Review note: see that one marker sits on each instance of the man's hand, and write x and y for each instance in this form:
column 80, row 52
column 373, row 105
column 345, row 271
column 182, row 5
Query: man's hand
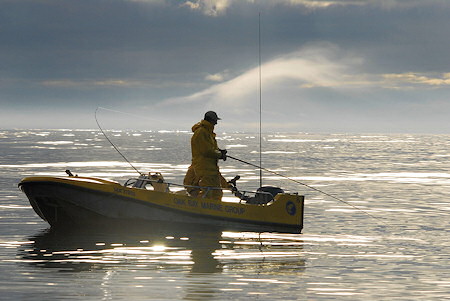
column 224, row 154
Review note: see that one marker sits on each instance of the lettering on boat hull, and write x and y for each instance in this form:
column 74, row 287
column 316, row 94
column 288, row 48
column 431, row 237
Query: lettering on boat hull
column 124, row 191
column 208, row 206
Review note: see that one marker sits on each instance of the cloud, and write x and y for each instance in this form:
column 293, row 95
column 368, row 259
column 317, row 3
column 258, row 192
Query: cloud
column 362, row 54
column 321, row 3
column 209, row 7
column 216, row 8
column 218, row 77
column 220, row 7
column 68, row 83
column 319, row 66
column 320, row 86
column 153, row 2
column 411, row 79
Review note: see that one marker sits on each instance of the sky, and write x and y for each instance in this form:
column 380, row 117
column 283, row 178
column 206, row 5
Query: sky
column 369, row 66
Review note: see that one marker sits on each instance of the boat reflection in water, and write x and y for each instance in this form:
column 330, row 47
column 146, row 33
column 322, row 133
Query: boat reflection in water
column 168, row 261
column 80, row 249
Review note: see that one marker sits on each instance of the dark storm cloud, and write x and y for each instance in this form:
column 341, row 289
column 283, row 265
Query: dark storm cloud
column 96, row 37
column 81, row 54
column 77, row 47
column 93, row 39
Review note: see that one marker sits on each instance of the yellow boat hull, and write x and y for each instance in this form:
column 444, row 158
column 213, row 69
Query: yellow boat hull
column 84, row 200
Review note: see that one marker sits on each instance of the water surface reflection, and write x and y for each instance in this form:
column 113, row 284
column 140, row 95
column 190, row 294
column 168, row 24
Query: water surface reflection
column 170, row 262
column 84, row 249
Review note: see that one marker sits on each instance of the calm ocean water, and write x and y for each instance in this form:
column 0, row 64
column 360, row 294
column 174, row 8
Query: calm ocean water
column 342, row 254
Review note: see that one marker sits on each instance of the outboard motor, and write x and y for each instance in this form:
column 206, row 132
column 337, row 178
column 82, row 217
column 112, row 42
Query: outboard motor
column 265, row 194
column 271, row 189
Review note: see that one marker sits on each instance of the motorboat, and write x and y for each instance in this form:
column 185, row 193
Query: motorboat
column 76, row 200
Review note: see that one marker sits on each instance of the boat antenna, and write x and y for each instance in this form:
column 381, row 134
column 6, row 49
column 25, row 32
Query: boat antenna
column 104, row 134
column 260, row 100
column 310, row 187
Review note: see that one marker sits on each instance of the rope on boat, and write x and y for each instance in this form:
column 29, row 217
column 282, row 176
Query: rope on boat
column 306, row 185
column 104, row 134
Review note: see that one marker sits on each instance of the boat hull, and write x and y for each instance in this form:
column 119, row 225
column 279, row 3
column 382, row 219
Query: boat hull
column 89, row 201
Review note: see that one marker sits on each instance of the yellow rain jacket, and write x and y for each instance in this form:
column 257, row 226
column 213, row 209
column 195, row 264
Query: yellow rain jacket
column 205, row 152
column 204, row 170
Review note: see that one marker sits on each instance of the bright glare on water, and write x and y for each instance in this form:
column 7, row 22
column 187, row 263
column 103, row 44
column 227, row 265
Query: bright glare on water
column 393, row 246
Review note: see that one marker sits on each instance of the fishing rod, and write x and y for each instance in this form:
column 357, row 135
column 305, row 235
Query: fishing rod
column 104, row 134
column 310, row 187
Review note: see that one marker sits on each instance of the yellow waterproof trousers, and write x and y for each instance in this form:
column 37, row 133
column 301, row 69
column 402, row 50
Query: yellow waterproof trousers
column 205, row 179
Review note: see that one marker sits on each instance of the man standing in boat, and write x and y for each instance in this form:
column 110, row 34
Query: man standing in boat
column 204, row 171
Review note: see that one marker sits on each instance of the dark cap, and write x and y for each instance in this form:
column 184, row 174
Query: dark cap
column 211, row 115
